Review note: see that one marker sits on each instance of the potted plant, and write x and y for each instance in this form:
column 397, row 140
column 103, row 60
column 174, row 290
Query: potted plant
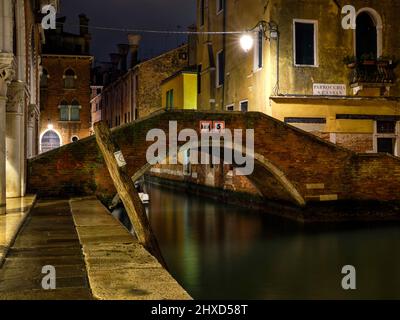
column 384, row 61
column 368, row 59
column 350, row 61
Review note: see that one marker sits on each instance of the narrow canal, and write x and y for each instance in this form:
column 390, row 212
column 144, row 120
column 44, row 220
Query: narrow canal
column 219, row 251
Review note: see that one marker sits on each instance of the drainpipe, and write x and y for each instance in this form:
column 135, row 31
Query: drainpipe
column 224, row 49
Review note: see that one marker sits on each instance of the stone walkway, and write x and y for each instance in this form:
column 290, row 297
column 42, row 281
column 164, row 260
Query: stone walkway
column 94, row 256
column 10, row 223
column 48, row 237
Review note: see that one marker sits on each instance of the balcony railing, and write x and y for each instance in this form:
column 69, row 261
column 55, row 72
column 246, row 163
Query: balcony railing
column 379, row 73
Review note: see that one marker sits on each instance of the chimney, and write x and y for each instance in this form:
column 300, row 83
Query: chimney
column 134, row 40
column 123, row 50
column 115, row 59
column 192, row 45
column 83, row 24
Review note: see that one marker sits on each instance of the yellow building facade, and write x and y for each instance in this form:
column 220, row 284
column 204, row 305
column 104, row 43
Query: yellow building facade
column 180, row 91
column 305, row 67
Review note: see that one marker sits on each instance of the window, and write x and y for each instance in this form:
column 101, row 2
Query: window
column 244, row 106
column 64, row 111
column 366, row 37
column 44, row 78
column 386, row 127
column 231, row 107
column 305, row 43
column 70, row 112
column 220, row 6
column 386, row 136
column 386, row 145
column 75, row 111
column 170, row 100
column 202, row 12
column 199, row 70
column 75, row 139
column 259, row 51
column 220, row 68
column 69, row 79
column 50, row 140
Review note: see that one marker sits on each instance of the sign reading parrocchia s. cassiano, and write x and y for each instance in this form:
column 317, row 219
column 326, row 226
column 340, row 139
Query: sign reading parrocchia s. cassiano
column 321, row 89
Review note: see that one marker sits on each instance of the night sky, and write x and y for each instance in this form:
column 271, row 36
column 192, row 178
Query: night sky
column 133, row 14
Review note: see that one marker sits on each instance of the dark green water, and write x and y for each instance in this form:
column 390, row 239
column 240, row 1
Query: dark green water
column 218, row 251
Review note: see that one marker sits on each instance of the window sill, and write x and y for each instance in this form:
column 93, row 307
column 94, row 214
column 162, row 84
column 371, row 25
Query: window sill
column 306, row 66
column 69, row 121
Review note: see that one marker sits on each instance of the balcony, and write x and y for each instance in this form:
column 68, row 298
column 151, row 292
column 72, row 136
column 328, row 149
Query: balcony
column 372, row 74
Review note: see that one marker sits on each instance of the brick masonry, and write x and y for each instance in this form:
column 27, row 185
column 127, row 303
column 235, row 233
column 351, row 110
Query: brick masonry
column 78, row 169
column 54, row 93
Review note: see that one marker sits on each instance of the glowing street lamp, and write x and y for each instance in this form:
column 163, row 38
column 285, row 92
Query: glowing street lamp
column 246, row 42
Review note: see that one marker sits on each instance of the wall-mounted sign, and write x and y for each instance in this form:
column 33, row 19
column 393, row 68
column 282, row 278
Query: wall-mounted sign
column 219, row 126
column 205, row 126
column 120, row 159
column 321, row 89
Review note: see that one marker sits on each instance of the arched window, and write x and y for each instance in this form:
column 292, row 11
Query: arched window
column 43, row 79
column 64, row 111
column 75, row 111
column 368, row 34
column 49, row 141
column 69, row 79
column 366, row 37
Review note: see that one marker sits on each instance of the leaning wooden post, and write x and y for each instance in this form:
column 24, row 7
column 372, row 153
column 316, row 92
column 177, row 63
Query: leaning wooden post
column 126, row 189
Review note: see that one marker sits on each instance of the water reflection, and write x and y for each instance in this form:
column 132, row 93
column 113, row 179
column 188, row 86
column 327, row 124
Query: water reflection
column 218, row 251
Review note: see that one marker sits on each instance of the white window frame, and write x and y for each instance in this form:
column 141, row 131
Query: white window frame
column 256, row 66
column 217, row 75
column 229, row 106
column 316, row 57
column 219, row 10
column 243, row 101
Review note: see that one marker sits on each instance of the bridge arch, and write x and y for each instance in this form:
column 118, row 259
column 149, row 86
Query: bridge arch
column 262, row 168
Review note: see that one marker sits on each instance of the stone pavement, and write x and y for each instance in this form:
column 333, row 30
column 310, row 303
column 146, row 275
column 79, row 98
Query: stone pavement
column 119, row 268
column 10, row 223
column 48, row 237
column 95, row 257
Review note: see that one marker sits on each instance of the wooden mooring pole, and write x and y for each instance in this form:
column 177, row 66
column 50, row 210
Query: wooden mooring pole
column 126, row 189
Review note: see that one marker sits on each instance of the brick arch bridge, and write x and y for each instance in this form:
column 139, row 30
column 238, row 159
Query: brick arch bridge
column 290, row 164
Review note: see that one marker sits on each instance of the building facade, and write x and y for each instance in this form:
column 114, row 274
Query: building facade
column 65, row 86
column 180, row 90
column 304, row 68
column 20, row 65
column 136, row 93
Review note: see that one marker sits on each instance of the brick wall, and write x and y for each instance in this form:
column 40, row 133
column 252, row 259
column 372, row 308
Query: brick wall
column 151, row 73
column 55, row 93
column 317, row 169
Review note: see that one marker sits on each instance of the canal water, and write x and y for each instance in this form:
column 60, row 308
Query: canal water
column 220, row 251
